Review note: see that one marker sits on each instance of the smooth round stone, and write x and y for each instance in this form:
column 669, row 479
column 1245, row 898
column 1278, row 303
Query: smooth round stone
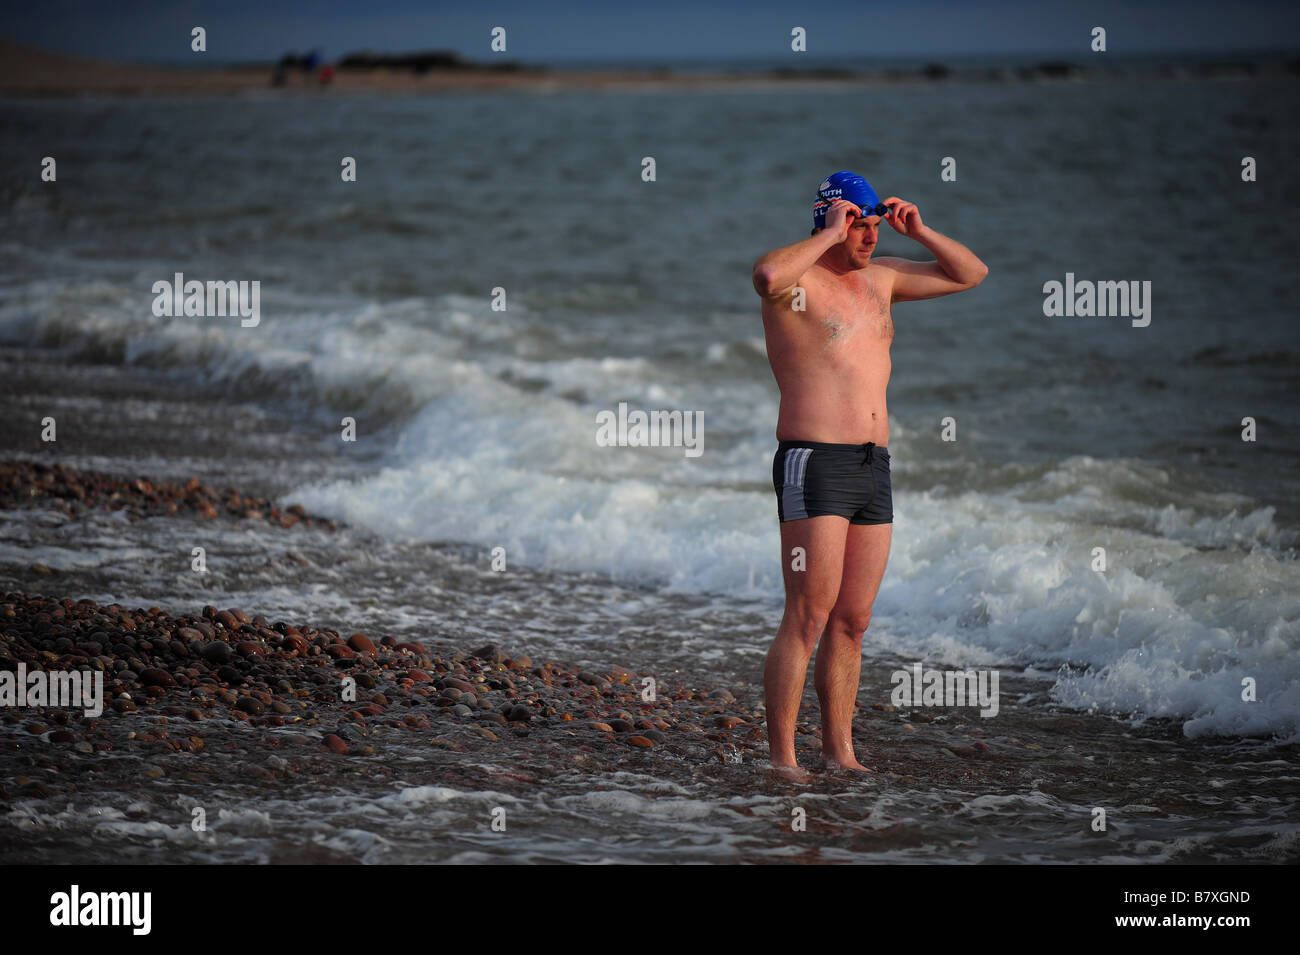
column 361, row 643
column 217, row 652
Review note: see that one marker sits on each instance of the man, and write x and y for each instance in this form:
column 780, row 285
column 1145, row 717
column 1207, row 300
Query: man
column 827, row 323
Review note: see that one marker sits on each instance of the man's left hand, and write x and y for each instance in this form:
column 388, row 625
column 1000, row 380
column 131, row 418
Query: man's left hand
column 903, row 216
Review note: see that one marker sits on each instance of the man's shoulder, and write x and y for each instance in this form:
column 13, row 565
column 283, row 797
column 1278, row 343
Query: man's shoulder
column 818, row 274
column 887, row 268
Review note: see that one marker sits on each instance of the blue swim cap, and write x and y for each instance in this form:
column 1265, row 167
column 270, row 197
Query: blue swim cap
column 843, row 185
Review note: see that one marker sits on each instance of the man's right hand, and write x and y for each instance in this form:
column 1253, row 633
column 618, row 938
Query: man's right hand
column 838, row 218
column 780, row 270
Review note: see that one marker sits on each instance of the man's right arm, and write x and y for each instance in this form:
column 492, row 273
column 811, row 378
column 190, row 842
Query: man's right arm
column 781, row 269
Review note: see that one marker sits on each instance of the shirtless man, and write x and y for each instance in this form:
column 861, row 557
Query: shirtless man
column 828, row 328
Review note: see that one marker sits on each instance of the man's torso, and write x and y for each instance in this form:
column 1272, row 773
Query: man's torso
column 831, row 361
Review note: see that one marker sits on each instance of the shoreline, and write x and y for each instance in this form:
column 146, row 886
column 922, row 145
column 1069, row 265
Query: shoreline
column 26, row 71
column 75, row 490
column 229, row 666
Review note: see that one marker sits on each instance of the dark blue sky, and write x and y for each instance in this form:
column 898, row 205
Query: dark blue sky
column 552, row 31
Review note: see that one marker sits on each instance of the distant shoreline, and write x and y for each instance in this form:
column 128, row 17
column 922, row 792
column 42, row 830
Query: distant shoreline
column 25, row 71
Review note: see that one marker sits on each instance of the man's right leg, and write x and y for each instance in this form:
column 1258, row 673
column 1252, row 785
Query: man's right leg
column 810, row 595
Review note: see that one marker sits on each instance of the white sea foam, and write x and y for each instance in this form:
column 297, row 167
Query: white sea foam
column 493, row 444
column 1196, row 597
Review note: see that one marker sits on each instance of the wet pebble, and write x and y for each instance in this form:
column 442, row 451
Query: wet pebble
column 250, row 705
column 361, row 644
column 156, row 677
column 217, row 652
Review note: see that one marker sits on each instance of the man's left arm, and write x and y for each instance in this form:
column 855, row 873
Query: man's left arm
column 955, row 269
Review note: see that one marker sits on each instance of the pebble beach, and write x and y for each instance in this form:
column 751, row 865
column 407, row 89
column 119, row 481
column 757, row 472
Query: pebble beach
column 229, row 712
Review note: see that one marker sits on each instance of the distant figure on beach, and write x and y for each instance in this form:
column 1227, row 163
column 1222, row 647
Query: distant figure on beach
column 826, row 318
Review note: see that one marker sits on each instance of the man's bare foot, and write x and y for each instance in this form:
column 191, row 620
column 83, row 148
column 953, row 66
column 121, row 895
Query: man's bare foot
column 793, row 773
column 850, row 763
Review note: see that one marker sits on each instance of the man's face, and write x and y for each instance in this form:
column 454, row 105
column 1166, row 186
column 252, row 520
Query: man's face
column 861, row 240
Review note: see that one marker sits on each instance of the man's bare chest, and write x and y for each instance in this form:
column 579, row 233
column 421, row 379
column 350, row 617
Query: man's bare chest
column 851, row 313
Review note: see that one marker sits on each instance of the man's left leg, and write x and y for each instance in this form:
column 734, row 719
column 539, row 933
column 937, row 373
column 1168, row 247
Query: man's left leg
column 839, row 655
